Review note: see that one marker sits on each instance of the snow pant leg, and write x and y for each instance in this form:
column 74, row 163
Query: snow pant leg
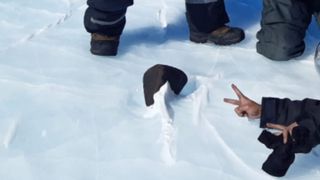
column 109, row 5
column 315, row 4
column 206, row 16
column 283, row 28
column 106, row 17
column 317, row 16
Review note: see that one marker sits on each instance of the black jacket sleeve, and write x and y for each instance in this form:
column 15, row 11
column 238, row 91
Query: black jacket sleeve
column 279, row 111
column 284, row 111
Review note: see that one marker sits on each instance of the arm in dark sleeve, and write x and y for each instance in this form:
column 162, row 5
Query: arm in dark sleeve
column 279, row 111
column 310, row 119
column 306, row 135
column 284, row 111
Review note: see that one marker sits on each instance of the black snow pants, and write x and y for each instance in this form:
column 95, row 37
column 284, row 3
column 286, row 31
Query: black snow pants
column 283, row 28
column 108, row 17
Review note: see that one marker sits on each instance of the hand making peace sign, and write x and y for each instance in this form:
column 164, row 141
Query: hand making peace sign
column 245, row 106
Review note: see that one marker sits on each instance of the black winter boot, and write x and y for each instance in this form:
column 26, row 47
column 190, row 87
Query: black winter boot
column 226, row 35
column 223, row 35
column 207, row 22
column 104, row 45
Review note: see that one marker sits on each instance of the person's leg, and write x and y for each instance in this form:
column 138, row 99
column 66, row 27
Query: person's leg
column 315, row 5
column 105, row 20
column 315, row 8
column 283, row 27
column 207, row 19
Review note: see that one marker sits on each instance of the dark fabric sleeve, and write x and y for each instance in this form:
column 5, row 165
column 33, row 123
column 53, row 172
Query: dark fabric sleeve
column 311, row 121
column 284, row 111
column 279, row 111
column 308, row 122
column 310, row 115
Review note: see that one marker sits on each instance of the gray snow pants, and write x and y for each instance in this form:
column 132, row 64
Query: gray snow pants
column 283, row 28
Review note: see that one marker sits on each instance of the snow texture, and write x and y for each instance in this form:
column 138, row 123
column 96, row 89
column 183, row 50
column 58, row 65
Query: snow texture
column 68, row 115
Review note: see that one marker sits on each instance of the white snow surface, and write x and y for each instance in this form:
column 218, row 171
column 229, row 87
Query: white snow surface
column 68, row 115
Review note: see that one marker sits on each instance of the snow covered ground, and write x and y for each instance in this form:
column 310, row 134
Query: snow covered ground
column 68, row 115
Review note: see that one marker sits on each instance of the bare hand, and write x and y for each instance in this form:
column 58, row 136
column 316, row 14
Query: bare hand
column 286, row 130
column 245, row 106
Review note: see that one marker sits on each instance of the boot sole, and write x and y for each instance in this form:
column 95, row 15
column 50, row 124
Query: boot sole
column 198, row 37
column 104, row 48
column 203, row 38
column 98, row 53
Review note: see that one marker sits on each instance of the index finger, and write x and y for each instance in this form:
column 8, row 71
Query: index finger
column 237, row 91
column 231, row 101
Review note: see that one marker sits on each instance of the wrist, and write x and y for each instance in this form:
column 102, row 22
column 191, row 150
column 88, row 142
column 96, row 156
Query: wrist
column 259, row 110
